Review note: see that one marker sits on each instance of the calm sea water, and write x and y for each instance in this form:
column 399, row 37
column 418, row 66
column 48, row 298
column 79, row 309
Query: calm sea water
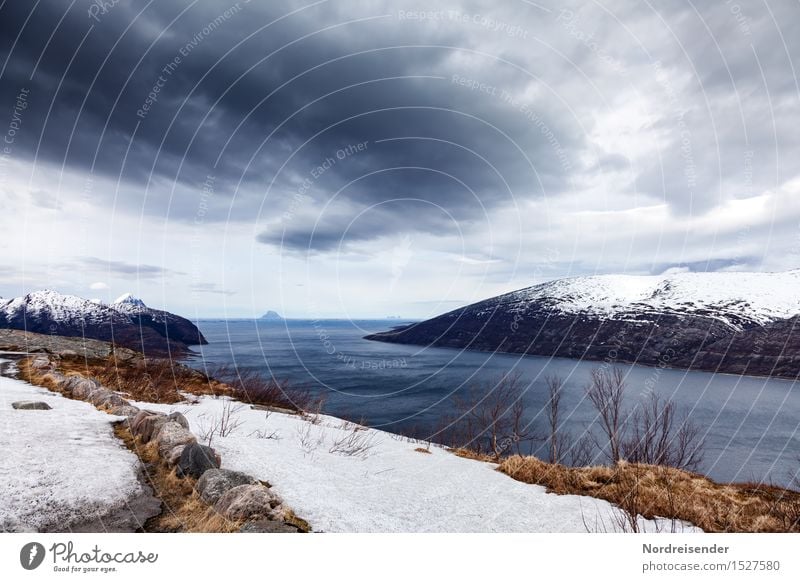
column 751, row 425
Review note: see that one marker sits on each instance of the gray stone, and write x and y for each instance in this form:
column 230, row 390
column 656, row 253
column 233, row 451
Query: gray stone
column 136, row 422
column 215, row 482
column 150, row 426
column 124, row 410
column 41, row 363
column 179, row 418
column 107, row 399
column 170, row 435
column 30, row 405
column 268, row 526
column 82, row 388
column 195, row 460
column 174, row 455
column 247, row 502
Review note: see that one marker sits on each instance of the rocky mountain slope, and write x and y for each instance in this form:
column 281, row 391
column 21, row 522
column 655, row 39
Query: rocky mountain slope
column 127, row 321
column 744, row 323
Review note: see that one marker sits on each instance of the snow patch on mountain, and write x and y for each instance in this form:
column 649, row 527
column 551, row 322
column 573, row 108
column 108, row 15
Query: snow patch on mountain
column 128, row 303
column 732, row 297
column 70, row 309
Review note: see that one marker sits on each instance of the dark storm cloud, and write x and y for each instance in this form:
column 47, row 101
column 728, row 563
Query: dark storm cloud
column 179, row 91
column 204, row 110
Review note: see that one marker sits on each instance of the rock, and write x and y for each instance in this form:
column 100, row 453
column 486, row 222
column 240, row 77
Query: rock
column 246, row 502
column 179, row 418
column 30, row 405
column 150, row 426
column 215, row 482
column 196, row 459
column 41, row 363
column 268, row 526
column 136, row 422
column 107, row 399
column 170, row 435
column 68, row 354
column 83, row 388
column 70, row 382
column 124, row 410
column 174, row 455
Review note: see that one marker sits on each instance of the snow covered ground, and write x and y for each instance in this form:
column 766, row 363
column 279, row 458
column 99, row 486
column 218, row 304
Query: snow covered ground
column 730, row 296
column 59, row 467
column 390, row 487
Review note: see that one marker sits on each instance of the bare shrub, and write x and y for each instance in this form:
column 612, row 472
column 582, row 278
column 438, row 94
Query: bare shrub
column 656, row 435
column 266, row 433
column 354, row 443
column 606, row 391
column 222, row 425
column 308, row 443
column 490, row 418
column 251, row 387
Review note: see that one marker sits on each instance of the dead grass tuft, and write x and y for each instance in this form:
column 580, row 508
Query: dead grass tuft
column 669, row 493
column 183, row 510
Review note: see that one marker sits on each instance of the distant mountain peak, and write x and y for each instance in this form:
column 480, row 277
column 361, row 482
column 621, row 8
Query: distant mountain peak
column 129, row 299
column 272, row 316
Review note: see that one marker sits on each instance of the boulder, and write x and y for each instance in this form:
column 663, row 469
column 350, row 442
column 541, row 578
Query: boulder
column 174, row 455
column 215, row 482
column 247, row 502
column 41, row 363
column 69, row 383
column 170, row 435
column 195, row 460
column 179, row 418
column 107, row 399
column 83, row 388
column 268, row 526
column 30, row 405
column 124, row 410
column 136, row 422
column 150, row 426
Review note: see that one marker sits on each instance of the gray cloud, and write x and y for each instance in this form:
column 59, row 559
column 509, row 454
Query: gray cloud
column 692, row 106
column 123, row 269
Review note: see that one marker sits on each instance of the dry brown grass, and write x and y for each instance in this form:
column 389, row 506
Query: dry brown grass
column 422, row 450
column 183, row 510
column 149, row 379
column 669, row 493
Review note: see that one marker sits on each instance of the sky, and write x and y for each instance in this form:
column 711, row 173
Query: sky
column 371, row 159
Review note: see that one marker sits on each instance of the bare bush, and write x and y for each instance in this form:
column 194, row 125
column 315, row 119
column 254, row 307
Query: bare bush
column 606, row 391
column 250, row 386
column 490, row 419
column 657, row 435
column 308, row 443
column 554, row 390
column 266, row 433
column 354, row 443
column 222, row 425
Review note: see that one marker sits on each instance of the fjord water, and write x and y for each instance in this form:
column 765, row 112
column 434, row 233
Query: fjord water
column 751, row 425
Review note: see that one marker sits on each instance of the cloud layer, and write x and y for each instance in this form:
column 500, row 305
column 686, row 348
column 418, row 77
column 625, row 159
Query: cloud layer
column 482, row 145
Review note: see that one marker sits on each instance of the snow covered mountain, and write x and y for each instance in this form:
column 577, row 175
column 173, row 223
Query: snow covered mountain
column 127, row 321
column 737, row 299
column 732, row 322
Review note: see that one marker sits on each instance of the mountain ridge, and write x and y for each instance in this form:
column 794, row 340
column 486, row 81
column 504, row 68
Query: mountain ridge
column 127, row 321
column 742, row 323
